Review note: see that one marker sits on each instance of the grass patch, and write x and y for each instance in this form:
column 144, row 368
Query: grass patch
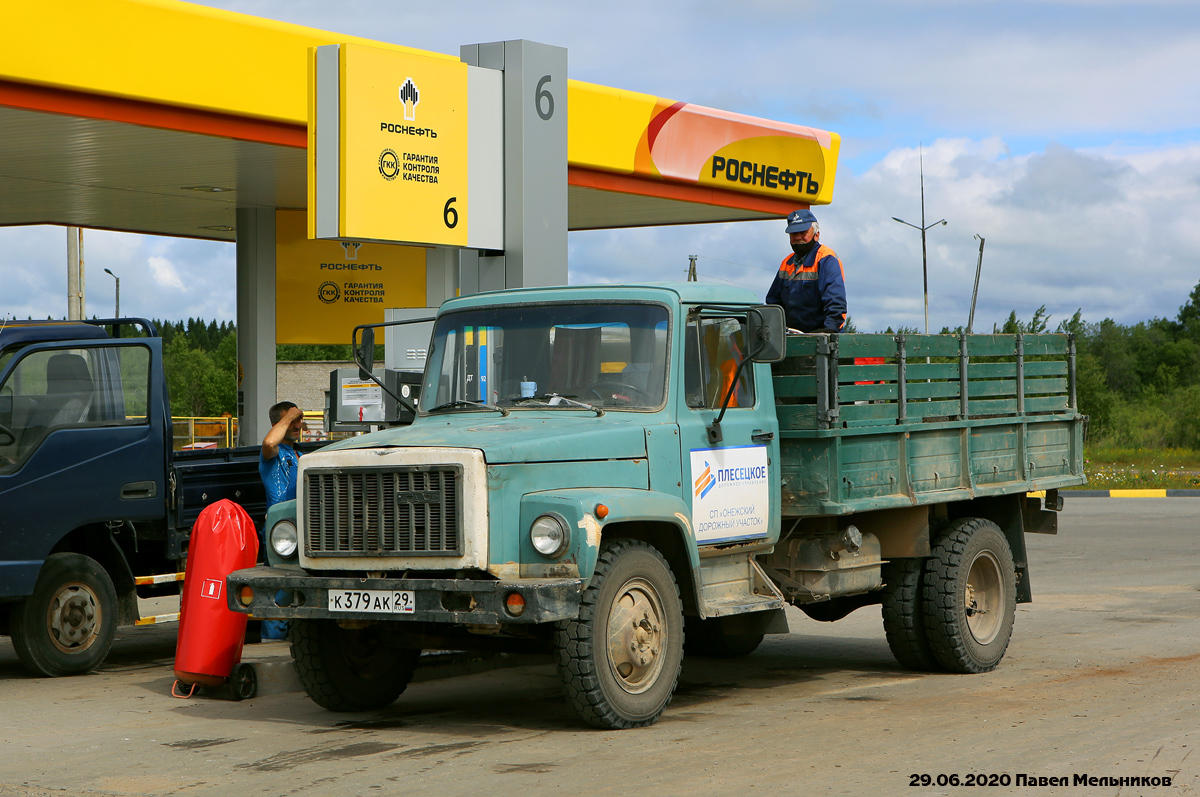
column 1142, row 468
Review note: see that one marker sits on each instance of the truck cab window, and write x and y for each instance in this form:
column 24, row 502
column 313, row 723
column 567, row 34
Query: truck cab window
column 534, row 357
column 61, row 388
column 714, row 348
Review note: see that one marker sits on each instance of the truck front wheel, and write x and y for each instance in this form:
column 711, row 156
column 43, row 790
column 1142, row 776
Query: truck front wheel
column 67, row 626
column 350, row 669
column 970, row 596
column 619, row 661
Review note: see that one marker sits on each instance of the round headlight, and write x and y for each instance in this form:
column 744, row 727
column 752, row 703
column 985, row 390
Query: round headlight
column 549, row 535
column 283, row 538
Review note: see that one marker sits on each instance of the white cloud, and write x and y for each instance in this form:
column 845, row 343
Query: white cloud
column 1029, row 68
column 165, row 273
column 1064, row 228
column 164, row 278
column 1063, row 132
column 1106, row 232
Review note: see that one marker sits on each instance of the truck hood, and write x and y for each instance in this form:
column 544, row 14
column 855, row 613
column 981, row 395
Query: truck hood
column 521, row 437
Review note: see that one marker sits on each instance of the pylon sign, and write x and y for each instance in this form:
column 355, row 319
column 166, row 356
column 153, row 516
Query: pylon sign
column 324, row 288
column 388, row 154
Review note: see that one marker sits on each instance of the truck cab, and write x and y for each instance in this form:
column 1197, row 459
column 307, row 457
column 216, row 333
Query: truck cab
column 82, row 451
column 90, row 490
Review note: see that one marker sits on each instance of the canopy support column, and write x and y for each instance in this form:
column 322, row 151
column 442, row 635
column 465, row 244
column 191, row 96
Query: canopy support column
column 255, row 322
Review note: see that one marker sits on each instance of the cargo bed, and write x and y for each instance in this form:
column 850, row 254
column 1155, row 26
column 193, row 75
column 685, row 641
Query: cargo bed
column 878, row 421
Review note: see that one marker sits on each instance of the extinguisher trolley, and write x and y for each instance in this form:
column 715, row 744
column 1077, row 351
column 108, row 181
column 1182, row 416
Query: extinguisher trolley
column 209, row 648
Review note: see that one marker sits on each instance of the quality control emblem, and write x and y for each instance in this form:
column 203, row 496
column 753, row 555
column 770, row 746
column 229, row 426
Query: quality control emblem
column 389, row 164
column 329, row 292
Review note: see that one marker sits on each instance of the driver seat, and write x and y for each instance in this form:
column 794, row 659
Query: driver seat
column 69, row 391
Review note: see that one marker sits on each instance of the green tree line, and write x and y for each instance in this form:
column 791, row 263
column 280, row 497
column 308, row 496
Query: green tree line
column 1139, row 384
column 200, row 360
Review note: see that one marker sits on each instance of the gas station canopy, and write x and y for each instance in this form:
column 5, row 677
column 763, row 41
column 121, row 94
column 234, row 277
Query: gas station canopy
column 165, row 117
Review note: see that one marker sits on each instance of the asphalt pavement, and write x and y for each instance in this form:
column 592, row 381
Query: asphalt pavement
column 1100, row 681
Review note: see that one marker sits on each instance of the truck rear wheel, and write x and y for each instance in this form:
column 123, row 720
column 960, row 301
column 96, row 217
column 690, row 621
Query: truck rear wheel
column 620, row 660
column 67, row 626
column 970, row 598
column 350, row 669
column 904, row 616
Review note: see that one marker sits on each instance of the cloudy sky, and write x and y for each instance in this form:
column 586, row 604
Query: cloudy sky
column 1065, row 133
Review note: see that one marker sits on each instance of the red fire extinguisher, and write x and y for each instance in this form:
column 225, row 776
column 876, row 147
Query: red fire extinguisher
column 210, row 635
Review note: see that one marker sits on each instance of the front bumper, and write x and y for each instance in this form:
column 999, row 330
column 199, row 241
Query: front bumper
column 455, row 601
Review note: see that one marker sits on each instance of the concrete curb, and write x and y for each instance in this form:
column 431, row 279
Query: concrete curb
column 1129, row 493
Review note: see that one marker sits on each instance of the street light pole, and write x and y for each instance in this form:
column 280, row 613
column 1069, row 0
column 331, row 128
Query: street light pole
column 975, row 293
column 923, row 228
column 76, row 299
column 117, row 310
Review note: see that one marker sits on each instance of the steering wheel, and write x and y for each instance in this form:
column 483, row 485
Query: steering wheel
column 632, row 394
column 7, row 438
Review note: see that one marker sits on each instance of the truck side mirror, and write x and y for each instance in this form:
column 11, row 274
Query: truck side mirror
column 766, row 329
column 364, row 355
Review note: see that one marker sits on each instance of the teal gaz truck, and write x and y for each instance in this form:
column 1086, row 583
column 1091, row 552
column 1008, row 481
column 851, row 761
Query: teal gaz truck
column 610, row 473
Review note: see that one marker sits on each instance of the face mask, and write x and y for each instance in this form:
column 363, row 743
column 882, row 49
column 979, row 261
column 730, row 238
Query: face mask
column 802, row 250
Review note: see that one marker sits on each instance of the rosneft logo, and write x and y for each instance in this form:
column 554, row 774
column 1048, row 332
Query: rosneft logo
column 705, row 481
column 329, row 292
column 389, row 165
column 410, row 97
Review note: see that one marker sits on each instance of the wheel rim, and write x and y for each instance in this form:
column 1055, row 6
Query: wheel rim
column 984, row 600
column 74, row 618
column 636, row 636
column 243, row 681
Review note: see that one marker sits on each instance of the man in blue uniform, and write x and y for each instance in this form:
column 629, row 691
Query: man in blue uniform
column 811, row 284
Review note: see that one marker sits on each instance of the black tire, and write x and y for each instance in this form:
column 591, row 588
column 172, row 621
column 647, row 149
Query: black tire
column 67, row 626
column 631, row 607
column 243, row 681
column 721, row 637
column 904, row 614
column 970, row 596
column 350, row 669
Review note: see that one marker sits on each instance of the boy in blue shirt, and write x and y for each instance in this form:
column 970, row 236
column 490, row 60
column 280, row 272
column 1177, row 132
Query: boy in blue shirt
column 278, row 460
column 277, row 465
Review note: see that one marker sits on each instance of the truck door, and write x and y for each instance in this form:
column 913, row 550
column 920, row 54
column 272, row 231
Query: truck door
column 731, row 487
column 81, row 440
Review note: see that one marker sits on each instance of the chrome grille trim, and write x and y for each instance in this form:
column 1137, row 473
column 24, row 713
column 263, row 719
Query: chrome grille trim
column 393, row 511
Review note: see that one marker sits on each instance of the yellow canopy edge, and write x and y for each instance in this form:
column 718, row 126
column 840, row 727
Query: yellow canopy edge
column 173, row 53
column 165, row 51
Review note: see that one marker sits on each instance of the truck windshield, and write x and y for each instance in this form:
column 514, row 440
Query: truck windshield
column 610, row 356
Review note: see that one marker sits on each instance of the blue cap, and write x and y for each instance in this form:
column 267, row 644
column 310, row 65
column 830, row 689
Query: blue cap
column 800, row 220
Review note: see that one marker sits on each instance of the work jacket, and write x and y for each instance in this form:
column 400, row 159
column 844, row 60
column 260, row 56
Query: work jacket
column 811, row 292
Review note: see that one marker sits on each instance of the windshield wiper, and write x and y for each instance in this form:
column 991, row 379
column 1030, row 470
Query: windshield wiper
column 466, row 403
column 556, row 399
column 540, row 397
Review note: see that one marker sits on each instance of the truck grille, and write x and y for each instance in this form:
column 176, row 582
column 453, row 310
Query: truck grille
column 405, row 511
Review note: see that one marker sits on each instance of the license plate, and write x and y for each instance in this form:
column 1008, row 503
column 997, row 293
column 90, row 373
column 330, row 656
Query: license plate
column 380, row 601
